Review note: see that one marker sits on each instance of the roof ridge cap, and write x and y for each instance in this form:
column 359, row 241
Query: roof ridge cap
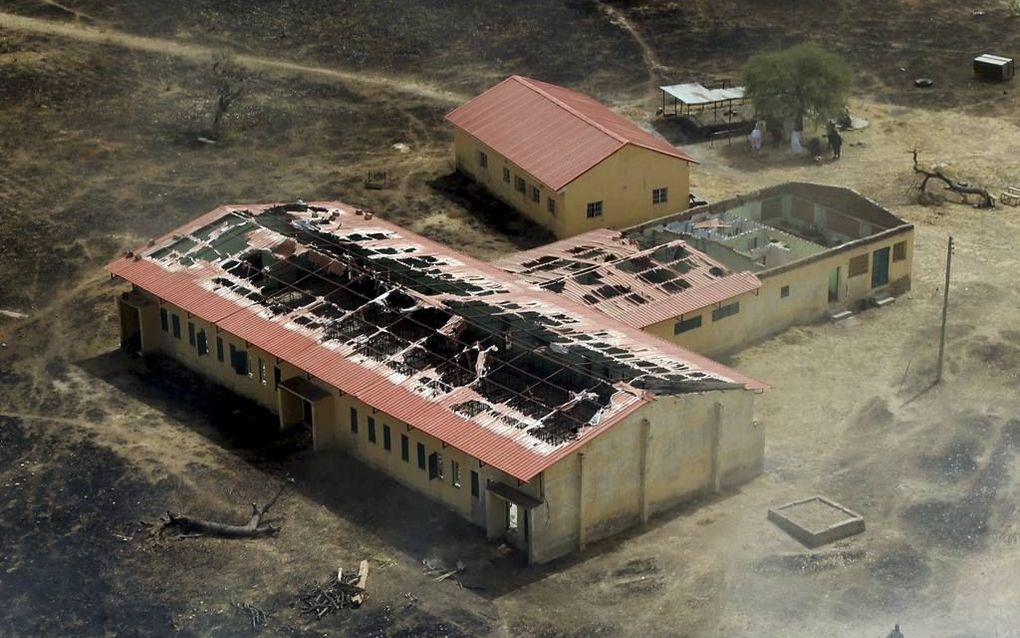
column 569, row 109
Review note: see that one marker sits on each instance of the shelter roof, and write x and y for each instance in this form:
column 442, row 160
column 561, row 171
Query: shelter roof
column 695, row 94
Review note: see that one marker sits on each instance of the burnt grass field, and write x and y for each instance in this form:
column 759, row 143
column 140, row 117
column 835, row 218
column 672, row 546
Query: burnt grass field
column 101, row 108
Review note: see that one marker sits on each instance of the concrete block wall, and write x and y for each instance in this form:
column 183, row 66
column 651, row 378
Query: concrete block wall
column 664, row 454
column 766, row 312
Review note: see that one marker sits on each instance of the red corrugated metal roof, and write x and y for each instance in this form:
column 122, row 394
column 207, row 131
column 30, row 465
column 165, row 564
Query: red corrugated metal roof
column 483, row 436
column 692, row 299
column 590, row 269
column 552, row 133
column 285, row 343
column 179, row 288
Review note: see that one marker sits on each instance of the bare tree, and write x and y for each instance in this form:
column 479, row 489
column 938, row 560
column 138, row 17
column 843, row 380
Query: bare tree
column 938, row 173
column 230, row 82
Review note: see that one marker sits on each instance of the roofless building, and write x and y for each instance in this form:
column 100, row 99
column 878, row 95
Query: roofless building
column 531, row 414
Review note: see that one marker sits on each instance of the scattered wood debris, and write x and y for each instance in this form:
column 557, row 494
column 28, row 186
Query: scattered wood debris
column 338, row 592
column 439, row 571
column 256, row 616
column 183, row 526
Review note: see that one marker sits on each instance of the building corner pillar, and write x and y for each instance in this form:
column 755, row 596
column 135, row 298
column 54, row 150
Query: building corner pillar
column 646, row 436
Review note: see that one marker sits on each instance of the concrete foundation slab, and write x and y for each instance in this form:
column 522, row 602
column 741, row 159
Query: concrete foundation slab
column 816, row 521
column 885, row 301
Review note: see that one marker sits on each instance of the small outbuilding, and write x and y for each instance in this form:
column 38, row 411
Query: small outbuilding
column 566, row 161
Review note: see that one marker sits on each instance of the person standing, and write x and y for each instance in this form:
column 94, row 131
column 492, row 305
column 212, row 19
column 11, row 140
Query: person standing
column 756, row 139
column 835, row 141
column 795, row 146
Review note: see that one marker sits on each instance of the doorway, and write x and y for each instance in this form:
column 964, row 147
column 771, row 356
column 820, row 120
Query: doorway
column 130, row 328
column 834, row 284
column 880, row 267
column 516, row 529
column 306, row 413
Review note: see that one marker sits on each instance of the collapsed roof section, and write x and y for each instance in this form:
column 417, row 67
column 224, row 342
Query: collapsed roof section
column 606, row 270
column 774, row 227
column 449, row 345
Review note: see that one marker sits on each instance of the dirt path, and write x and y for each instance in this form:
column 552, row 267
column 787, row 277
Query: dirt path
column 651, row 58
column 77, row 31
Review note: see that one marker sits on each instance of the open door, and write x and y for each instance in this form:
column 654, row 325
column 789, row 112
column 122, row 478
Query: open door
column 303, row 403
column 834, row 285
column 130, row 328
column 511, row 508
column 880, row 267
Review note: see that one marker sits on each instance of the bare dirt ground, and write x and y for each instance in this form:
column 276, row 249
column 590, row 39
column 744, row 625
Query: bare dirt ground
column 100, row 107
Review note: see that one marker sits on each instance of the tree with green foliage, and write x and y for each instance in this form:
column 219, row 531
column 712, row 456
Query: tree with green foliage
column 804, row 81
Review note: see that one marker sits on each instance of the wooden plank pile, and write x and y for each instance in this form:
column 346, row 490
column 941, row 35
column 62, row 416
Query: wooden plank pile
column 1011, row 196
column 340, row 591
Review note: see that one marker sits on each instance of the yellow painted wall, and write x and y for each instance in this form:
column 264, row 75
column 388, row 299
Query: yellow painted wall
column 467, row 150
column 623, row 182
column 766, row 312
column 251, row 385
column 678, row 461
column 682, row 439
column 340, row 436
column 331, row 421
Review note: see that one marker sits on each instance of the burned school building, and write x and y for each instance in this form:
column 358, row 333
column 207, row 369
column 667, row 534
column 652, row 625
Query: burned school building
column 529, row 413
column 718, row 277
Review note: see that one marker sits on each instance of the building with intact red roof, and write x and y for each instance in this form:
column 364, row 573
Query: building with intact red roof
column 565, row 161
column 531, row 414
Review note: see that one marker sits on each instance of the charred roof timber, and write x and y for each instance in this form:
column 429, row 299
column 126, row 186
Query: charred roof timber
column 449, row 329
column 634, row 283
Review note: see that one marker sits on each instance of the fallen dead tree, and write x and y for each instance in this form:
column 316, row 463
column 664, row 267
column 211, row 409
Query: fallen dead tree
column 184, row 526
column 338, row 592
column 937, row 172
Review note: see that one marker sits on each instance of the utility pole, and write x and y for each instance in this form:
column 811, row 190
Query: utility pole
column 945, row 310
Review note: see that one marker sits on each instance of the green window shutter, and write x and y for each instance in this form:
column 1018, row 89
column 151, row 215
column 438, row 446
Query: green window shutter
column 689, row 323
column 238, row 360
column 726, row 311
